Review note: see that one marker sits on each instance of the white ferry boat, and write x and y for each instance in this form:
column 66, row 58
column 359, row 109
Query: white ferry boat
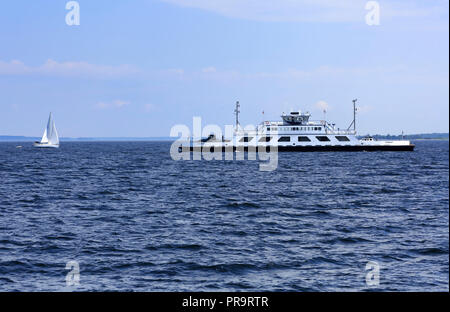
column 297, row 133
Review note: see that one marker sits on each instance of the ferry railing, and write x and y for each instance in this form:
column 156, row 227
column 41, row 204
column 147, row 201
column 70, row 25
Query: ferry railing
column 344, row 132
column 261, row 130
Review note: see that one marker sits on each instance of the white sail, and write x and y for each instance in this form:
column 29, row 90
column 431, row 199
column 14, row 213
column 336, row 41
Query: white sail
column 55, row 134
column 44, row 137
column 50, row 137
column 52, row 134
column 49, row 126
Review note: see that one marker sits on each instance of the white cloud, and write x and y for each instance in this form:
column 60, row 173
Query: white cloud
column 14, row 67
column 322, row 105
column 113, row 104
column 174, row 71
column 149, row 107
column 313, row 10
column 119, row 103
column 67, row 69
column 92, row 71
column 364, row 109
column 321, row 74
column 210, row 69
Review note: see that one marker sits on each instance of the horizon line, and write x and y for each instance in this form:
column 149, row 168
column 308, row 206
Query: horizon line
column 11, row 138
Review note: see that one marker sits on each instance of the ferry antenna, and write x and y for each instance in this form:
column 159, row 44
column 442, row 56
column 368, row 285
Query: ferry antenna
column 237, row 111
column 354, row 116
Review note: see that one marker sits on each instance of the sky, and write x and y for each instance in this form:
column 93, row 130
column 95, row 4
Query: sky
column 137, row 68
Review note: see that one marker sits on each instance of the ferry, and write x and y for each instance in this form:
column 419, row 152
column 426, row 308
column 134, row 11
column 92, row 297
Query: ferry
column 296, row 132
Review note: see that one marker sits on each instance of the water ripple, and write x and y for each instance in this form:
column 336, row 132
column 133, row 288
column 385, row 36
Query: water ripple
column 136, row 220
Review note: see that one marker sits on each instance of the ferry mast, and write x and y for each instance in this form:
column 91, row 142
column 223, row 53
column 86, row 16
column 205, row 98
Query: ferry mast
column 237, row 111
column 354, row 117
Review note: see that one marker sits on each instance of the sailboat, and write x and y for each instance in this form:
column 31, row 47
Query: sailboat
column 50, row 137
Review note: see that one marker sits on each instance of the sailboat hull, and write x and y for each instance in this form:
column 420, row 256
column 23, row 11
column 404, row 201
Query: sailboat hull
column 45, row 145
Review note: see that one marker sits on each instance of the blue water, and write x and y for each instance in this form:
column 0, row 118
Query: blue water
column 134, row 219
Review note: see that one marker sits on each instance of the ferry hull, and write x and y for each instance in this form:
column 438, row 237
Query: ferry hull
column 350, row 148
column 317, row 148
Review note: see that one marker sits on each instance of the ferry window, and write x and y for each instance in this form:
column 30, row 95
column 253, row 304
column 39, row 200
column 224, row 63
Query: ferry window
column 265, row 139
column 245, row 139
column 284, row 139
column 319, row 128
column 322, row 138
column 342, row 138
column 268, row 128
column 303, row 139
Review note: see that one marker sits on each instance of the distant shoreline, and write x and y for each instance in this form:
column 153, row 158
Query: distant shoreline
column 420, row 136
column 131, row 139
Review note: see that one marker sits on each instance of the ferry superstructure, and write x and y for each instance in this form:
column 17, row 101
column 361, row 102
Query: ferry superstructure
column 297, row 133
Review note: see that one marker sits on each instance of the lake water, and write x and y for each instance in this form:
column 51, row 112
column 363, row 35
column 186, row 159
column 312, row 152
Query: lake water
column 134, row 219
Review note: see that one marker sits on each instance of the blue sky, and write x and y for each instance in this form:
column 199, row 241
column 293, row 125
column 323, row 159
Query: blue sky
column 136, row 68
